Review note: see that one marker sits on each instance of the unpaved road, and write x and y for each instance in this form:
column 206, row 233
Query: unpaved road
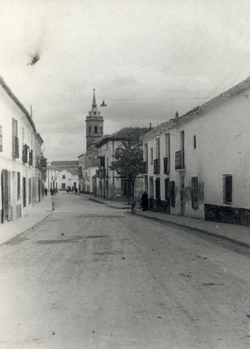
column 93, row 277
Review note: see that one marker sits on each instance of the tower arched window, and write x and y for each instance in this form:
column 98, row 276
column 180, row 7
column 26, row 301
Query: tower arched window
column 95, row 129
column 89, row 128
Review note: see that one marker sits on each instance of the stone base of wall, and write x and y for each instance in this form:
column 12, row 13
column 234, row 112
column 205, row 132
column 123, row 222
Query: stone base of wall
column 225, row 214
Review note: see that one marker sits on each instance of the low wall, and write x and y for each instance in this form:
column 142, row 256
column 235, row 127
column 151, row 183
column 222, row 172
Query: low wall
column 225, row 214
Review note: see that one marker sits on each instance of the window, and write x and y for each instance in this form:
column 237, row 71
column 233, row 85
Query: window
column 63, row 186
column 1, row 138
column 102, row 162
column 195, row 192
column 194, row 140
column 146, row 152
column 227, row 189
column 151, row 156
column 172, row 193
column 89, row 128
column 31, row 158
column 95, row 129
column 157, row 155
column 167, row 145
column 101, row 129
column 63, row 177
column 15, row 140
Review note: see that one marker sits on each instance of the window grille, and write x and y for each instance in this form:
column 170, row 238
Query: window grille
column 195, row 192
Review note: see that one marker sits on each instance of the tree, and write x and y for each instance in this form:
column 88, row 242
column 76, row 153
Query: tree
column 129, row 160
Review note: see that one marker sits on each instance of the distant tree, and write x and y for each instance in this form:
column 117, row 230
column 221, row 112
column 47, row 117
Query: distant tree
column 129, row 160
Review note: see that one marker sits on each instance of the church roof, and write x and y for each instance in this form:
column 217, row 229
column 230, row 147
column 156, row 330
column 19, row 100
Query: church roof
column 66, row 163
column 122, row 134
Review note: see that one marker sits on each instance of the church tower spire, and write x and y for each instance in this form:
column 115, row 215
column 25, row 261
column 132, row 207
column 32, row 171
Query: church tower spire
column 94, row 105
column 94, row 124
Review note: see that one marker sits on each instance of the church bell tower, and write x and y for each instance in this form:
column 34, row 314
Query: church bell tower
column 94, row 124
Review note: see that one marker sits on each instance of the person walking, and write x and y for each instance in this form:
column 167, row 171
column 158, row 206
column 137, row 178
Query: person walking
column 52, row 199
column 144, row 201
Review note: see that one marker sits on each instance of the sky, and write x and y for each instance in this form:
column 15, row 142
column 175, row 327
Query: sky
column 146, row 58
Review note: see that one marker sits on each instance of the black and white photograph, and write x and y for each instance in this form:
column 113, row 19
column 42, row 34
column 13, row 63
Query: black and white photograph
column 124, row 174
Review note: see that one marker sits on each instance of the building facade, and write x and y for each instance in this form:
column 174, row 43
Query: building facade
column 20, row 146
column 198, row 165
column 108, row 183
column 68, row 179
column 52, row 177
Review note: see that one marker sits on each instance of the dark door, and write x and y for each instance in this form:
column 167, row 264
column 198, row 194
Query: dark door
column 5, row 195
column 24, row 192
column 182, row 194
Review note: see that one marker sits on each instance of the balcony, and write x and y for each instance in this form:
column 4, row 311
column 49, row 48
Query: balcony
column 145, row 167
column 80, row 172
column 179, row 160
column 166, row 165
column 156, row 166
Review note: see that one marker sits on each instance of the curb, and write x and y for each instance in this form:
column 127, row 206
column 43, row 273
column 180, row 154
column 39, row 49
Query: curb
column 203, row 231
column 25, row 231
column 108, row 204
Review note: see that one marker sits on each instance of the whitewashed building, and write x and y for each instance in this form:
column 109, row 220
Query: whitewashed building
column 109, row 184
column 67, row 179
column 52, row 177
column 198, row 165
column 22, row 165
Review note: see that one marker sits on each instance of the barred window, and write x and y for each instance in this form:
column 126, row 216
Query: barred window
column 227, row 189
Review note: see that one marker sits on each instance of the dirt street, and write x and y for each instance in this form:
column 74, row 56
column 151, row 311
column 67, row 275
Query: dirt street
column 94, row 277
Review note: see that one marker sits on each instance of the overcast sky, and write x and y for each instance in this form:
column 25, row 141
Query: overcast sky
column 146, row 58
